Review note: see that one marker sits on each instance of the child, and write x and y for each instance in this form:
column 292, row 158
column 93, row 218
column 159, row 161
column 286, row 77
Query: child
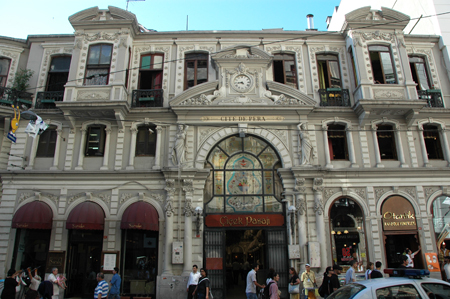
column 61, row 281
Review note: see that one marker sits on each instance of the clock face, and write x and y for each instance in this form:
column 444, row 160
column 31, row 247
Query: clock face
column 242, row 83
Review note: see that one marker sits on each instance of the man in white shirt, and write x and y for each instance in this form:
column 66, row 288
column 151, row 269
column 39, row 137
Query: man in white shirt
column 54, row 279
column 193, row 281
column 447, row 267
column 250, row 291
column 350, row 276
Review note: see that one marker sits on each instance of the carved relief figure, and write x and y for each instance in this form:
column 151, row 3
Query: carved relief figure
column 306, row 151
column 179, row 150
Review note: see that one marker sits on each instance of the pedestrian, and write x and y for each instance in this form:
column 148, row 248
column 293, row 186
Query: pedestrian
column 308, row 279
column 114, row 292
column 35, row 282
column 10, row 284
column 250, row 290
column 369, row 270
column 350, row 275
column 337, row 272
column 404, row 263
column 101, row 291
column 273, row 289
column 203, row 286
column 447, row 267
column 294, row 281
column 270, row 276
column 53, row 278
column 411, row 255
column 330, row 283
column 376, row 273
column 194, row 276
column 20, row 288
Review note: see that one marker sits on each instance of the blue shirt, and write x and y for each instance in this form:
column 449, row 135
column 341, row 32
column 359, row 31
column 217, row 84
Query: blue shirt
column 101, row 291
column 115, row 284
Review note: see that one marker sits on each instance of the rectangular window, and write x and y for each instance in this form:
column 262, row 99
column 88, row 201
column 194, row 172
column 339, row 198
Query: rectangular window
column 151, row 71
column 95, row 142
column 196, row 69
column 284, row 70
column 47, row 143
column 382, row 66
column 337, row 142
column 386, row 142
column 58, row 73
column 98, row 65
column 4, row 70
column 329, row 73
column 432, row 142
column 419, row 73
column 146, row 141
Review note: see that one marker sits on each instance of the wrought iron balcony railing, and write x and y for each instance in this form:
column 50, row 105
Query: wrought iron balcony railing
column 147, row 98
column 47, row 99
column 10, row 96
column 433, row 97
column 334, row 97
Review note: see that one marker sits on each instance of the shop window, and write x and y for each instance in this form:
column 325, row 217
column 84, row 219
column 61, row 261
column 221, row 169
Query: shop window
column 98, row 65
column 432, row 142
column 140, row 254
column 146, row 141
column 406, row 291
column 151, row 71
column 329, row 73
column 284, row 70
column 58, row 73
column 47, row 143
column 382, row 66
column 386, row 142
column 196, row 69
column 419, row 72
column 244, row 177
column 337, row 142
column 4, row 70
column 95, row 141
column 31, row 249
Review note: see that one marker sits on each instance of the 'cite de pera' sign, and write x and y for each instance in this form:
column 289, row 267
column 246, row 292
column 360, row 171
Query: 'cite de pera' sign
column 244, row 220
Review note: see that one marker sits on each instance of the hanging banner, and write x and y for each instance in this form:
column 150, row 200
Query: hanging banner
column 432, row 262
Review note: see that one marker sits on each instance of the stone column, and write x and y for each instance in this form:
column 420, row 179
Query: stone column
column 106, row 150
column 57, row 150
column 157, row 164
column 300, row 204
column 377, row 147
column 325, row 146
column 401, row 155
column 351, row 148
column 444, row 139
column 34, row 146
column 423, row 147
column 168, row 208
column 132, row 149
column 82, row 147
column 188, row 188
column 320, row 223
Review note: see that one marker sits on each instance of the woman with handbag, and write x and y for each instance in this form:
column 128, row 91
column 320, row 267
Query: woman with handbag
column 294, row 284
column 202, row 289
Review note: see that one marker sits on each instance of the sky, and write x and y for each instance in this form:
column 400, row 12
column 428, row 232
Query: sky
column 29, row 17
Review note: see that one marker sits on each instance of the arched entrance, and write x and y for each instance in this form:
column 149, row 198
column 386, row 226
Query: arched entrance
column 244, row 215
column 347, row 232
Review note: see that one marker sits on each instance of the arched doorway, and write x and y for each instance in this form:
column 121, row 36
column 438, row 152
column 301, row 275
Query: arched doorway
column 347, row 232
column 244, row 215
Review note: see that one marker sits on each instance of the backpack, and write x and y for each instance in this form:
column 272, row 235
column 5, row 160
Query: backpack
column 266, row 290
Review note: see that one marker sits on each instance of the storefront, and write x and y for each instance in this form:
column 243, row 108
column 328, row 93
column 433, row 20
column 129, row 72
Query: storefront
column 244, row 215
column 400, row 231
column 441, row 222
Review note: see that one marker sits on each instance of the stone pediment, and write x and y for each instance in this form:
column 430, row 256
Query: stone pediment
column 242, row 52
column 385, row 18
column 208, row 94
column 96, row 14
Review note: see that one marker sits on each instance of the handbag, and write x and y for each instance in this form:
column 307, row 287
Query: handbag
column 294, row 289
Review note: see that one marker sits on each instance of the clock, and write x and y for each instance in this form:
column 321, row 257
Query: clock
column 242, row 83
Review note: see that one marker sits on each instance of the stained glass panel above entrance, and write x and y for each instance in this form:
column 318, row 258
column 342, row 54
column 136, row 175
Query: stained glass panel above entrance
column 243, row 177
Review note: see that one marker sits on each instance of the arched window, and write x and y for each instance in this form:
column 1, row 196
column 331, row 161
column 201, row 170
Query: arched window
column 243, row 177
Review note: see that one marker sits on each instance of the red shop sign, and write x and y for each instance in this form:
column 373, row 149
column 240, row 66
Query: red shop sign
column 244, row 220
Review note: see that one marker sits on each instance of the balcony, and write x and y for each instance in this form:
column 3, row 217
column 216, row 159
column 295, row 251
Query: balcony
column 47, row 99
column 9, row 96
column 147, row 98
column 432, row 96
column 334, row 97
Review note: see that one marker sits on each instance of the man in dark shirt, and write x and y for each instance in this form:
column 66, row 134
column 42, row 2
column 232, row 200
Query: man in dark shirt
column 404, row 262
column 335, row 277
column 377, row 272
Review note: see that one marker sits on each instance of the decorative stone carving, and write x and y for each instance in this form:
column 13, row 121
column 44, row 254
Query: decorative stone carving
column 388, row 94
column 124, row 197
column 318, row 205
column 328, row 192
column 377, row 35
column 205, row 133
column 170, row 189
column 281, row 133
column 188, row 188
column 411, row 191
column 318, row 185
column 379, row 192
column 100, row 36
column 299, row 185
column 300, row 205
column 202, row 100
column 75, row 197
column 105, row 197
column 93, row 95
column 24, row 196
column 361, row 192
column 305, row 148
column 283, row 100
column 429, row 190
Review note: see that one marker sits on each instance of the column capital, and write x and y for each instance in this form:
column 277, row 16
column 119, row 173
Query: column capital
column 318, row 185
column 300, row 204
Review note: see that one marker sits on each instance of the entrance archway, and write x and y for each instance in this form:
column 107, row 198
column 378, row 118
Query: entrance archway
column 244, row 215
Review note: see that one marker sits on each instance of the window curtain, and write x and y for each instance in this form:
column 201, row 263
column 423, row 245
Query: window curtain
column 322, row 84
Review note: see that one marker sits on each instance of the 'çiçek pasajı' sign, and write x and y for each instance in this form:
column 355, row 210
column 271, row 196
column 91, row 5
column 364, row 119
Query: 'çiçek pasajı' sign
column 244, row 220
column 398, row 214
